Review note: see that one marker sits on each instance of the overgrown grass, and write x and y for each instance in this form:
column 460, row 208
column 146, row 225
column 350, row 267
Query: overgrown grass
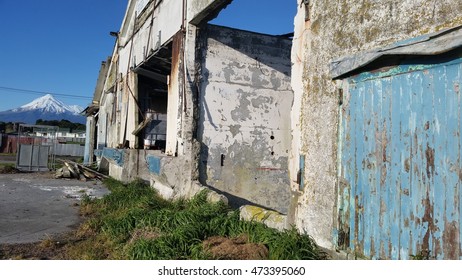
column 133, row 222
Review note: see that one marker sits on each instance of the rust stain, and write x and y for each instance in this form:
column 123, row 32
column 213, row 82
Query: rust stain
column 406, row 222
column 427, row 125
column 436, row 245
column 428, row 218
column 407, row 165
column 430, row 156
column 383, row 148
column 451, row 241
column 372, row 246
column 384, row 144
column 356, row 219
column 383, row 176
column 382, row 250
column 268, row 169
column 367, row 164
column 390, row 249
column 383, row 208
column 456, row 88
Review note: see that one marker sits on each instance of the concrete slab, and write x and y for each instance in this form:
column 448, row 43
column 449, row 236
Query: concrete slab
column 35, row 205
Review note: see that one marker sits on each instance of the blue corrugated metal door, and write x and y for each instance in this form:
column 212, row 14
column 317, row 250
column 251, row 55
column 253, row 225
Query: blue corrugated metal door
column 400, row 169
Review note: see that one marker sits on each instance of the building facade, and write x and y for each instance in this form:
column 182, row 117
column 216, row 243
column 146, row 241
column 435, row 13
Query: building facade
column 186, row 105
column 350, row 130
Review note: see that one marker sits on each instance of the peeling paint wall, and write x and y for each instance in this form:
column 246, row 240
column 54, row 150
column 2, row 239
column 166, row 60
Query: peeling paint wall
column 331, row 31
column 244, row 125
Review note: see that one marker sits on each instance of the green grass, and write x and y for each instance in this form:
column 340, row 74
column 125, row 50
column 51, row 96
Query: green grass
column 133, row 222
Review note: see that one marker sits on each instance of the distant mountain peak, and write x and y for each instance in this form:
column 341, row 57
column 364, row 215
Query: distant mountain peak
column 48, row 103
column 46, row 107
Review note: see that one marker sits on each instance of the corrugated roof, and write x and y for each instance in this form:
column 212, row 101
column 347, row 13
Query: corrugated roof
column 430, row 44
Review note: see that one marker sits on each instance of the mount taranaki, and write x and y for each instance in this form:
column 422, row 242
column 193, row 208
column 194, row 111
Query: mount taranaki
column 46, row 108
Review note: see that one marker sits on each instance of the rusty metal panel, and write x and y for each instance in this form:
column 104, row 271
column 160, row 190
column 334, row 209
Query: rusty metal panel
column 399, row 191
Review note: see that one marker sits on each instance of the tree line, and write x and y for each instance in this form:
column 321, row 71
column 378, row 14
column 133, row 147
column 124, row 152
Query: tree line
column 11, row 127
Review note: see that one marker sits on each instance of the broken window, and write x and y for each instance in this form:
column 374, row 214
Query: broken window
column 153, row 99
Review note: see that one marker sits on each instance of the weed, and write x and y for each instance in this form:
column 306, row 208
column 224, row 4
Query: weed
column 6, row 168
column 422, row 255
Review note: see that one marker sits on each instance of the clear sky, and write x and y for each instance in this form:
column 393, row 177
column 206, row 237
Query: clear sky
column 56, row 46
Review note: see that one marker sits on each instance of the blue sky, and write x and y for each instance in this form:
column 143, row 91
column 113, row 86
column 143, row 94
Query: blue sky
column 56, row 46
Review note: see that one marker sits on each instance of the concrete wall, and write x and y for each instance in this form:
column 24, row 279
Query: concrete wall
column 244, row 125
column 335, row 30
column 127, row 165
column 199, row 11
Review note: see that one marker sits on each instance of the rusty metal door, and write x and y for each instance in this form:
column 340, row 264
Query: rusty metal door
column 400, row 162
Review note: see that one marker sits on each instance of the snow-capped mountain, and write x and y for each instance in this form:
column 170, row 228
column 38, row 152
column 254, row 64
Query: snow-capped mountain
column 46, row 108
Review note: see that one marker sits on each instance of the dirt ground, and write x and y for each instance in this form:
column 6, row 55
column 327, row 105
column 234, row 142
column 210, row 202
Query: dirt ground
column 49, row 249
column 35, row 196
column 236, row 248
column 55, row 249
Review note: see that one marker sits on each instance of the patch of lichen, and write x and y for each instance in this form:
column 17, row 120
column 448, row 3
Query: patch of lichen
column 451, row 23
column 260, row 215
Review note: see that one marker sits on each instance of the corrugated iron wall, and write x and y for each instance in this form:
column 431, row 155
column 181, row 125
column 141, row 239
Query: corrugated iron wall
column 399, row 190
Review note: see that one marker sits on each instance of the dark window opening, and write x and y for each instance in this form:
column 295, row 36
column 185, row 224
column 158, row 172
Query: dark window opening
column 153, row 76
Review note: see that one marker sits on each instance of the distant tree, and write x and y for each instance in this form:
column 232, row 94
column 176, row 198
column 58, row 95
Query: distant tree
column 62, row 124
column 10, row 127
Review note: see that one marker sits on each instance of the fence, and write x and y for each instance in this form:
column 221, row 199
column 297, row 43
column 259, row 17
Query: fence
column 74, row 150
column 9, row 145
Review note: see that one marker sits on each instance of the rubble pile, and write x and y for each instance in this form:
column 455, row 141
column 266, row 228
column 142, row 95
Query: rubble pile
column 73, row 170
